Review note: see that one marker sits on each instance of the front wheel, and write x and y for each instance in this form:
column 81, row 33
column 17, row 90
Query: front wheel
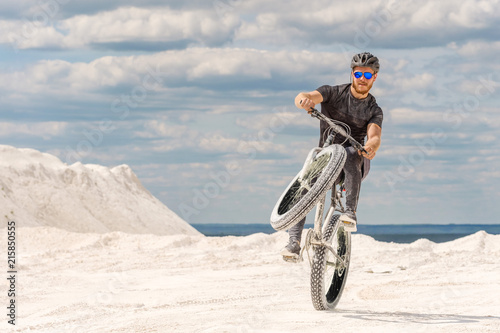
column 328, row 274
column 317, row 176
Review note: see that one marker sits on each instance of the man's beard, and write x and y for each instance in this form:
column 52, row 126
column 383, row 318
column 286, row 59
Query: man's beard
column 362, row 89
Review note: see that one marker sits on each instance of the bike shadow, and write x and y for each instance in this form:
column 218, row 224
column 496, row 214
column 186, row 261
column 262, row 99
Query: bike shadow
column 417, row 318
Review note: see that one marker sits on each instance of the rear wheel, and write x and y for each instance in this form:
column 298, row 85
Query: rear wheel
column 311, row 184
column 328, row 274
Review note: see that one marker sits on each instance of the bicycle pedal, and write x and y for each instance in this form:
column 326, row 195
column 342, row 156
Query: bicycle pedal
column 293, row 259
column 349, row 226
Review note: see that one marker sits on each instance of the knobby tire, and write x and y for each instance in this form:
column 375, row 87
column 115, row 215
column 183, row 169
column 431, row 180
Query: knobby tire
column 299, row 199
column 327, row 278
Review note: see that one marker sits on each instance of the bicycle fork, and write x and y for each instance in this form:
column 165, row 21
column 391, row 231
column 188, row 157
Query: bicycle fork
column 315, row 236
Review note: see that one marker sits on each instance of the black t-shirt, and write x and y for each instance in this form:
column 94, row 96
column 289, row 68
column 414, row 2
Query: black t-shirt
column 339, row 104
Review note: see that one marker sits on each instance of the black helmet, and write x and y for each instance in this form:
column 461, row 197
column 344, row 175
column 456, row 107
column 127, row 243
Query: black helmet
column 365, row 59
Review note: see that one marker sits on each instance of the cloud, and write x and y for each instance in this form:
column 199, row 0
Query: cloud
column 394, row 24
column 155, row 25
column 163, row 27
column 202, row 67
column 175, row 25
column 62, row 9
column 415, row 82
column 276, row 121
column 44, row 130
column 90, row 7
column 487, row 138
column 15, row 9
column 28, row 35
column 475, row 48
column 158, row 128
column 410, row 116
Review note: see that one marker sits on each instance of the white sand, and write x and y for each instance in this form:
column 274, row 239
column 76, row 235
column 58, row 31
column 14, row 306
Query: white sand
column 117, row 282
column 102, row 280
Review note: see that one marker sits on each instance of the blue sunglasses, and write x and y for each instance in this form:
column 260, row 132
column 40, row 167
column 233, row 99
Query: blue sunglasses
column 367, row 75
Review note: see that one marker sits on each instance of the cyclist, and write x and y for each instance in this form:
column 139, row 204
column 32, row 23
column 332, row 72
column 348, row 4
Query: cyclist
column 353, row 105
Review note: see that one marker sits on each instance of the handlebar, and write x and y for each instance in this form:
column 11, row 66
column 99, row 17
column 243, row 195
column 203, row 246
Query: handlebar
column 315, row 113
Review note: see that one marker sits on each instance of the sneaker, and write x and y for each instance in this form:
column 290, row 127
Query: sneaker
column 291, row 252
column 349, row 220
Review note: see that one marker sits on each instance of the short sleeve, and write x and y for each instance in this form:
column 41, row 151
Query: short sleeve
column 377, row 117
column 328, row 92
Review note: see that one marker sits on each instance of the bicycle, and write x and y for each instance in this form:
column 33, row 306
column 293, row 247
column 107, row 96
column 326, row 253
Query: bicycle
column 330, row 242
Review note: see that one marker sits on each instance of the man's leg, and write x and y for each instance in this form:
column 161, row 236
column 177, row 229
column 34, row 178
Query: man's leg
column 292, row 250
column 352, row 184
column 295, row 232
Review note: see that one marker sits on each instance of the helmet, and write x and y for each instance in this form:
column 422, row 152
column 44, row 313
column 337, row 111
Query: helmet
column 365, row 59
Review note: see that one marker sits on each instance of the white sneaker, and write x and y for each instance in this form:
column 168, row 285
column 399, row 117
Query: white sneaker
column 349, row 220
column 291, row 252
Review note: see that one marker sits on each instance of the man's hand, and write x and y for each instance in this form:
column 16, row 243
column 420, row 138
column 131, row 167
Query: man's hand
column 370, row 152
column 308, row 100
column 307, row 105
column 373, row 142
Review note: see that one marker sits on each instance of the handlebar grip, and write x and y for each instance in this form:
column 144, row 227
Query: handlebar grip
column 309, row 111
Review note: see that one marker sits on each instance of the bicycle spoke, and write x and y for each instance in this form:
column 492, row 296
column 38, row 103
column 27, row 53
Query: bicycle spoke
column 316, row 167
column 304, row 184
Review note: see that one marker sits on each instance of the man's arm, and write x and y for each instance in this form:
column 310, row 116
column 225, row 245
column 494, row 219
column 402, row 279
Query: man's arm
column 309, row 100
column 374, row 134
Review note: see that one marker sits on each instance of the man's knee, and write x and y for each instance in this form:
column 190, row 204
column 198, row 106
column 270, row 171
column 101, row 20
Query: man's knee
column 353, row 160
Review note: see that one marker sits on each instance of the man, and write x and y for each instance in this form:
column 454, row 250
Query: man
column 353, row 105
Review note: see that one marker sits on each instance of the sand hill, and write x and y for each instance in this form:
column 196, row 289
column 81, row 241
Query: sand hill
column 38, row 189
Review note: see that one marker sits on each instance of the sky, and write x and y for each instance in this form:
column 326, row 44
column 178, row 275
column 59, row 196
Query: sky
column 197, row 98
